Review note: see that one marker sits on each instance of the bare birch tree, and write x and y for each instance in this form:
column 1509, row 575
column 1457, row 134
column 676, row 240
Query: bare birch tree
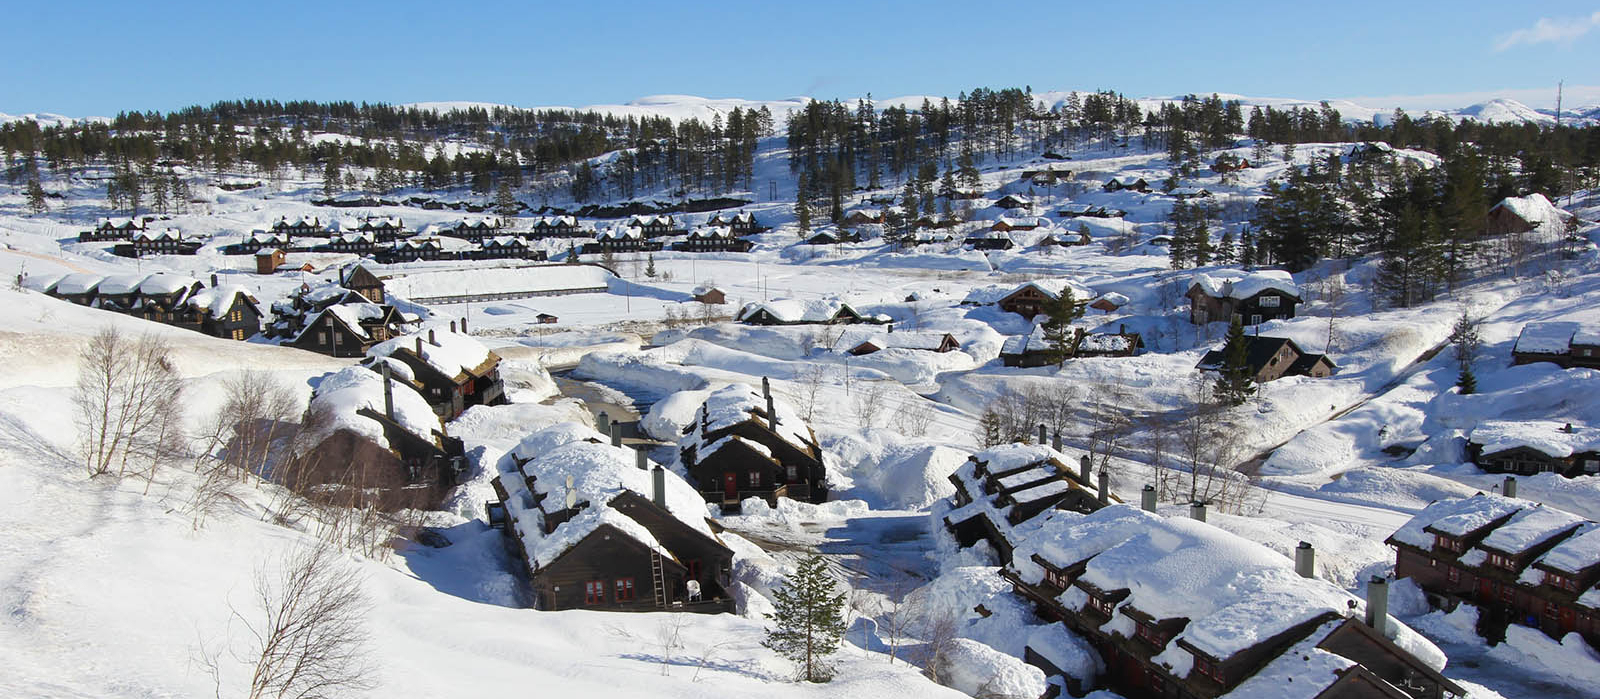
column 310, row 635
column 129, row 404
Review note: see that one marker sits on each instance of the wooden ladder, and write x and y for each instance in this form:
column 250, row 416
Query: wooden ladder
column 656, row 579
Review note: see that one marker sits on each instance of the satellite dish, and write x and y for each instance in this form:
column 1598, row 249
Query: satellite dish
column 572, row 499
column 569, row 481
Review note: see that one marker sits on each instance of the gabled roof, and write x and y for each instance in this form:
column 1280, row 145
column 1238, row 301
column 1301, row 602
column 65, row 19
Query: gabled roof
column 600, row 474
column 1544, row 436
column 343, row 394
column 1243, row 286
column 799, row 310
column 1556, row 337
column 452, row 354
column 1259, row 349
column 1235, row 593
column 218, row 301
column 734, row 404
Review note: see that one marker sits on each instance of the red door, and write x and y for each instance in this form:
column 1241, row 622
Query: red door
column 730, row 485
column 1569, row 620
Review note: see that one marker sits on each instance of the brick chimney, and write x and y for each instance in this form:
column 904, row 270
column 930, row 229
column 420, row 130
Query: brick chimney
column 1305, row 560
column 1147, row 498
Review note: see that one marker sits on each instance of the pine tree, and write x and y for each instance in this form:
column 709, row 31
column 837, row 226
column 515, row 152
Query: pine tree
column 1235, row 384
column 330, row 177
column 572, row 253
column 802, row 206
column 1056, row 328
column 1465, row 341
column 505, row 203
column 808, row 619
column 650, row 266
column 36, row 202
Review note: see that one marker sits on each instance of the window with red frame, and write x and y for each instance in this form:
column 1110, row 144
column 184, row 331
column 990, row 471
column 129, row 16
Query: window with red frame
column 1454, row 574
column 1500, row 560
column 624, row 589
column 1507, row 593
column 1208, row 668
column 1152, row 635
column 594, row 592
column 1444, row 542
column 1100, row 605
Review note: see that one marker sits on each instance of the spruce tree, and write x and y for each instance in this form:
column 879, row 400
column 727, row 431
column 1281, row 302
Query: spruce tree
column 505, row 203
column 808, row 620
column 36, row 202
column 1059, row 313
column 572, row 253
column 802, row 207
column 1465, row 341
column 1235, row 382
column 650, row 266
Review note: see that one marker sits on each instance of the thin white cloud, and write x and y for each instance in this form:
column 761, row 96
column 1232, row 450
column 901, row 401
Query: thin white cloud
column 1550, row 31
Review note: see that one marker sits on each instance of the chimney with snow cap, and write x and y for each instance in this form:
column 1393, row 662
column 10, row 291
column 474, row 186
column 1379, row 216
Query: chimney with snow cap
column 1509, row 489
column 1147, row 498
column 1305, row 560
column 431, row 339
column 1197, row 511
column 1378, row 604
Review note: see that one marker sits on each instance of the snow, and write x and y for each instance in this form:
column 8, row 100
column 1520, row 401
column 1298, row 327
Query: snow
column 1545, row 436
column 530, row 280
column 219, row 300
column 1554, row 337
column 162, row 284
column 1575, row 553
column 342, row 393
column 1528, row 528
column 1244, row 286
column 978, row 670
column 452, row 353
column 1455, row 517
column 796, row 310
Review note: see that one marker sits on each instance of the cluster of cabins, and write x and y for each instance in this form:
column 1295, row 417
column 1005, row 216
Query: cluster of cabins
column 345, row 319
column 227, row 311
column 380, row 427
column 1173, row 607
column 135, row 239
column 597, row 526
column 1516, row 561
column 1531, row 447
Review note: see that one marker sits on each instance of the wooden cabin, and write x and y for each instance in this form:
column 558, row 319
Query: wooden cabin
column 596, row 527
column 268, row 261
column 450, row 370
column 654, row 226
column 861, row 217
column 299, row 226
column 1518, row 562
column 349, row 242
column 745, row 444
column 348, row 330
column 1271, row 358
column 710, row 295
column 1013, row 201
column 1531, row 447
column 556, row 227
column 1252, row 299
column 383, row 229
column 713, row 240
column 1132, row 184
column 1030, row 298
column 742, row 223
column 1136, row 589
column 1004, row 486
column 1566, row 344
column 164, row 242
column 109, row 229
column 798, row 312
column 362, row 281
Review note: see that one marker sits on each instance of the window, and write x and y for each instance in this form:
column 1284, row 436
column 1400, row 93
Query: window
column 754, row 478
column 1201, row 317
column 1152, row 635
column 794, row 473
column 1552, row 610
column 1056, row 579
column 1441, row 541
column 1101, row 605
column 1208, row 667
column 1255, row 319
column 1561, row 582
column 1591, row 465
column 594, row 592
column 1270, row 301
column 1507, row 593
column 1454, row 574
column 624, row 589
column 1500, row 560
column 322, row 338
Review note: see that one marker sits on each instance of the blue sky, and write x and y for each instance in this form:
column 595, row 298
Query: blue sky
column 84, row 58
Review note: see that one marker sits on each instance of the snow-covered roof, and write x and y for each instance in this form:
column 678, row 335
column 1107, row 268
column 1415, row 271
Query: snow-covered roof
column 555, row 221
column 737, row 403
column 451, row 353
column 1454, row 517
column 163, row 284
column 1022, row 222
column 1575, row 553
column 1105, row 342
column 1545, row 436
column 78, row 283
column 342, row 393
column 122, row 283
column 218, row 301
column 620, row 233
column 1032, row 342
column 297, row 222
column 711, row 232
column 1528, row 528
column 988, row 294
column 1244, row 286
column 1235, row 593
column 1556, row 336
column 163, row 234
column 119, row 223
column 350, row 237
column 796, row 310
column 599, row 472
column 1052, row 288
column 658, row 219
column 1534, row 209
column 902, row 339
column 1303, row 671
column 498, row 280
column 1112, row 298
